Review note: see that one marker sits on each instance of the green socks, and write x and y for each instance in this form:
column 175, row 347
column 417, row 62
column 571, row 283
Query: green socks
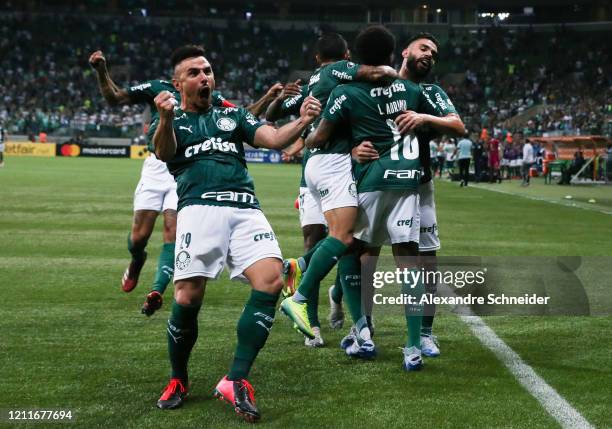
column 313, row 307
column 322, row 261
column 304, row 260
column 414, row 314
column 138, row 252
column 336, row 294
column 349, row 271
column 165, row 268
column 253, row 330
column 182, row 335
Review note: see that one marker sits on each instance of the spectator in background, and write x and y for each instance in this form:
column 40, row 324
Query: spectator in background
column 441, row 157
column 433, row 155
column 574, row 168
column 464, row 156
column 493, row 151
column 479, row 158
column 528, row 161
column 450, row 154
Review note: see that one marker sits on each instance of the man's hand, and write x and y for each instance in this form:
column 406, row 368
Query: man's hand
column 409, row 121
column 311, row 109
column 365, row 152
column 165, row 103
column 97, row 60
column 274, row 91
column 285, row 157
column 291, row 89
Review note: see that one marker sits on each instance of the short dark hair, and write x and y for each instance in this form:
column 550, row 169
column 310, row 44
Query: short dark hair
column 184, row 52
column 331, row 46
column 424, row 35
column 374, row 45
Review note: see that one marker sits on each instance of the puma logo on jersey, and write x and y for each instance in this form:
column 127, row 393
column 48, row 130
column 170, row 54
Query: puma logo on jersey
column 186, row 128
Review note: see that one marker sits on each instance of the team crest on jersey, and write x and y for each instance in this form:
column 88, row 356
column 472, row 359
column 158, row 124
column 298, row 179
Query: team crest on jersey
column 350, row 65
column 226, row 124
column 183, row 259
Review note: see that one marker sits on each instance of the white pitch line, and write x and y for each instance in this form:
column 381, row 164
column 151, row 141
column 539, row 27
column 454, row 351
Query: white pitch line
column 561, row 410
column 529, row 197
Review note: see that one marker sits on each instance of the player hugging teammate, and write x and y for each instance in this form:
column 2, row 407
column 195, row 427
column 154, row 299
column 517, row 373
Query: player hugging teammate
column 371, row 113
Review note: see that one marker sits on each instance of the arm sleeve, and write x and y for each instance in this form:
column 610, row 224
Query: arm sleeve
column 144, row 92
column 337, row 107
column 248, row 125
column 442, row 100
column 344, row 71
column 291, row 106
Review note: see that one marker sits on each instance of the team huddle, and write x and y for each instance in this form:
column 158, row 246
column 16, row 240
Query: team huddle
column 365, row 183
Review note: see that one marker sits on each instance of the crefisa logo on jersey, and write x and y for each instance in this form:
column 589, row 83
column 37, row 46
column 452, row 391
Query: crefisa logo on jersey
column 183, row 259
column 226, row 124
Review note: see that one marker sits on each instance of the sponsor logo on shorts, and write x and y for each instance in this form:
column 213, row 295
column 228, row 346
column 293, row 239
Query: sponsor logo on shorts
column 264, row 236
column 402, row 174
column 429, row 229
column 183, row 259
column 405, row 222
column 353, row 189
column 226, row 124
column 323, row 192
column 239, row 197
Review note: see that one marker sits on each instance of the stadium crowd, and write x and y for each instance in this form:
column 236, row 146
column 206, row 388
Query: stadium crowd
column 559, row 82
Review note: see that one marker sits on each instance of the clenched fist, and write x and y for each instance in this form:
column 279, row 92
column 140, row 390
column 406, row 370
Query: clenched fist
column 311, row 108
column 97, row 60
column 165, row 103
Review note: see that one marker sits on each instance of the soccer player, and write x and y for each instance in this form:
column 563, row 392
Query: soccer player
column 156, row 190
column 420, row 56
column 219, row 220
column 328, row 175
column 387, row 186
column 2, row 140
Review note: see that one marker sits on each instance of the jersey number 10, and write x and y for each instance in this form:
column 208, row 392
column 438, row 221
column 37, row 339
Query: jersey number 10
column 410, row 144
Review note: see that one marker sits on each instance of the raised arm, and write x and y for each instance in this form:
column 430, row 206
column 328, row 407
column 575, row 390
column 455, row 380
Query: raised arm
column 109, row 90
column 260, row 105
column 269, row 137
column 164, row 139
column 290, row 90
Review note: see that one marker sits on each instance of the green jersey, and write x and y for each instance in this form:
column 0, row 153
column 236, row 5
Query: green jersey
column 291, row 106
column 445, row 107
column 321, row 84
column 369, row 112
column 209, row 164
column 146, row 92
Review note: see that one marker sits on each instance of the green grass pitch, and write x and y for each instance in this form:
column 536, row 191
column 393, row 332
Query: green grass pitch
column 71, row 339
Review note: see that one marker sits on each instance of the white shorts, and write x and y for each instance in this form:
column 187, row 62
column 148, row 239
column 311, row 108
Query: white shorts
column 429, row 239
column 330, row 180
column 208, row 237
column 516, row 163
column 1, row 147
column 388, row 217
column 156, row 189
column 310, row 211
column 504, row 162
